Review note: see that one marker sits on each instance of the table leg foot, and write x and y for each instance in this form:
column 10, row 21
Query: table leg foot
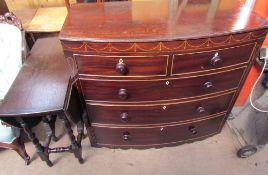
column 27, row 160
column 54, row 138
column 81, row 161
column 49, row 163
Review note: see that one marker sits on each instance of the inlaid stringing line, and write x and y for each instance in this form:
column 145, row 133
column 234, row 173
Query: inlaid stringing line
column 168, row 78
column 162, row 102
column 213, row 116
column 160, row 125
column 159, row 144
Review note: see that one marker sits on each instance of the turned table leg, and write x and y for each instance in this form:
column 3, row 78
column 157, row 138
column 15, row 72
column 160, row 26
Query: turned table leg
column 49, row 125
column 19, row 147
column 76, row 148
column 52, row 120
column 80, row 131
column 48, row 131
column 89, row 129
column 43, row 154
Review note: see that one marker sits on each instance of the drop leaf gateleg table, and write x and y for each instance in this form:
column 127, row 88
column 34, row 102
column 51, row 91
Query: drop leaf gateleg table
column 43, row 88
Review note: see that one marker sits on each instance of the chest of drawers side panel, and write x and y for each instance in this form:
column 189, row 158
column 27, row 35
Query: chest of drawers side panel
column 254, row 55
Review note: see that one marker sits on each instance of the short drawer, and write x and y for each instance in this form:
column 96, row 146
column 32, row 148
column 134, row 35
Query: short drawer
column 151, row 90
column 154, row 136
column 137, row 66
column 206, row 60
column 161, row 113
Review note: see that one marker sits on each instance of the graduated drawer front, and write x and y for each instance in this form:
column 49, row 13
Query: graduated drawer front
column 206, row 60
column 160, row 135
column 136, row 91
column 94, row 65
column 162, row 113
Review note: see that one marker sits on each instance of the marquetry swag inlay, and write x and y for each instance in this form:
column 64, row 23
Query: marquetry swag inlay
column 164, row 46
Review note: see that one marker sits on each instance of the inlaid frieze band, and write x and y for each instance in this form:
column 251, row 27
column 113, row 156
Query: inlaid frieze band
column 164, row 46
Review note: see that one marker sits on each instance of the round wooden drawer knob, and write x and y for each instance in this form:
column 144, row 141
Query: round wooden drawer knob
column 193, row 130
column 216, row 61
column 122, row 94
column 121, row 68
column 200, row 109
column 124, row 117
column 126, row 136
column 208, row 85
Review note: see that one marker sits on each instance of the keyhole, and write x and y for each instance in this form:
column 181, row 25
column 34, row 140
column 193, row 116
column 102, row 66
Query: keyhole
column 121, row 60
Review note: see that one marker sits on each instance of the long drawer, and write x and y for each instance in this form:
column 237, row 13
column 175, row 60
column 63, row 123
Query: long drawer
column 160, row 113
column 214, row 59
column 151, row 90
column 154, row 136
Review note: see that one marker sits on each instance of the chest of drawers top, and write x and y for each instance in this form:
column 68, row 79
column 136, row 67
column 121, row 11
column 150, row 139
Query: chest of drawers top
column 157, row 21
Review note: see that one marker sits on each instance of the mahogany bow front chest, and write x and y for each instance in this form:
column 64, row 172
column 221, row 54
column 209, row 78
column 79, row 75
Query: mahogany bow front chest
column 160, row 73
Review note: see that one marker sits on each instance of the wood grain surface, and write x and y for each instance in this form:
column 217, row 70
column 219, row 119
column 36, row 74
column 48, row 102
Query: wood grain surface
column 118, row 22
column 41, row 84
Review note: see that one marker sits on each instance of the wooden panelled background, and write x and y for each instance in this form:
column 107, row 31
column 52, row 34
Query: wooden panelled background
column 14, row 5
column 30, row 4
